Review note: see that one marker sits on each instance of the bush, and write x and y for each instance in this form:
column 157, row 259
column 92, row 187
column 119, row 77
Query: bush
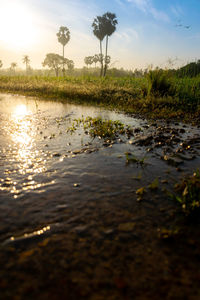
column 159, row 83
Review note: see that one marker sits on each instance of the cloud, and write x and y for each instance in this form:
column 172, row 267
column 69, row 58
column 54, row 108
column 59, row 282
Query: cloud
column 119, row 2
column 141, row 4
column 159, row 15
column 147, row 7
column 128, row 35
column 177, row 10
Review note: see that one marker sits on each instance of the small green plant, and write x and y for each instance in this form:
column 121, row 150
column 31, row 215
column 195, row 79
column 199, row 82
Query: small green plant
column 131, row 158
column 71, row 129
column 188, row 193
column 103, row 128
column 154, row 185
column 97, row 127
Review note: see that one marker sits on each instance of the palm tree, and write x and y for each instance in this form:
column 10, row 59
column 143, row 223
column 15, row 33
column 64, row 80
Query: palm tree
column 107, row 59
column 87, row 61
column 13, row 66
column 95, row 59
column 70, row 64
column 63, row 38
column 109, row 24
column 26, row 61
column 99, row 32
column 1, row 64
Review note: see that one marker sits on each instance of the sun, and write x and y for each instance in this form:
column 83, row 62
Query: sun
column 17, row 28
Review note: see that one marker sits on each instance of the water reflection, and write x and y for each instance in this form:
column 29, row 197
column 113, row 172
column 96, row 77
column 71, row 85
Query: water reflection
column 22, row 152
column 23, row 137
column 35, row 142
column 22, row 133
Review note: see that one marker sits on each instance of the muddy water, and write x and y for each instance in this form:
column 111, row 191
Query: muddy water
column 76, row 193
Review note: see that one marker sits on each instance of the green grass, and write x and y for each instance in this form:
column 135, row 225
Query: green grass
column 156, row 96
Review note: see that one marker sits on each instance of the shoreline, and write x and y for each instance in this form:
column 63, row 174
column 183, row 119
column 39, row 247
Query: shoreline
column 130, row 98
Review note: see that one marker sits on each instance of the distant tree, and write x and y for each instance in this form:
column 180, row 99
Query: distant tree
column 101, row 57
column 96, row 59
column 99, row 32
column 13, row 66
column 70, row 64
column 63, row 38
column 109, row 24
column 107, row 60
column 190, row 70
column 54, row 62
column 88, row 60
column 26, row 61
column 91, row 60
column 1, row 64
column 138, row 73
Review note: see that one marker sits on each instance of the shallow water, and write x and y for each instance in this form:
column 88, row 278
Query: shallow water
column 39, row 158
column 78, row 195
column 35, row 143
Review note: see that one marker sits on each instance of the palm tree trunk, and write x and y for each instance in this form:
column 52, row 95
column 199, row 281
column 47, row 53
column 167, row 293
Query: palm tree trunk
column 101, row 74
column 105, row 67
column 56, row 71
column 63, row 61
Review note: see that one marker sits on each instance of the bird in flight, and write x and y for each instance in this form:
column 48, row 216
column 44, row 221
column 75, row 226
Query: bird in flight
column 179, row 24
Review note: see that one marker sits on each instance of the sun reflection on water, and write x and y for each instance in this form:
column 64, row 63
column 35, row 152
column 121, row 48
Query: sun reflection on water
column 27, row 158
column 23, row 131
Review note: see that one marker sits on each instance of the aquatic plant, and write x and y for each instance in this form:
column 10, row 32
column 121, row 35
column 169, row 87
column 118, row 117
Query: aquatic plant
column 154, row 185
column 188, row 193
column 98, row 127
column 131, row 158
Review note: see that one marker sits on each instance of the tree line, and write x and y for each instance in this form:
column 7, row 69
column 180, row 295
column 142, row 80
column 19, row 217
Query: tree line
column 103, row 27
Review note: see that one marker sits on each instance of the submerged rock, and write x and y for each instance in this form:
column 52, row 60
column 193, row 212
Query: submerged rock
column 144, row 140
column 172, row 160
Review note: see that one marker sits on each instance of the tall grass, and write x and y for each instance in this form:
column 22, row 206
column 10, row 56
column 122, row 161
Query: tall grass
column 159, row 83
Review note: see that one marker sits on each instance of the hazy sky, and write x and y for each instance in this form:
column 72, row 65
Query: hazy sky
column 148, row 31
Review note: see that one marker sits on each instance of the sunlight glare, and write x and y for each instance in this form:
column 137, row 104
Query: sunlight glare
column 20, row 111
column 16, row 25
column 22, row 133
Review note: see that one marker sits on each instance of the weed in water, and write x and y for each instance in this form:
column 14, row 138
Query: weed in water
column 154, row 185
column 188, row 193
column 131, row 158
column 140, row 192
column 97, row 127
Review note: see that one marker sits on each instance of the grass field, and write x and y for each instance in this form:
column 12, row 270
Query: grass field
column 157, row 95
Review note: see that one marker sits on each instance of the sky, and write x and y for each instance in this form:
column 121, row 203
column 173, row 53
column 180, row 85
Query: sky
column 149, row 32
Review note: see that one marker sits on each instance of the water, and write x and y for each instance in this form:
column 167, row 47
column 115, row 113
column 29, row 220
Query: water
column 71, row 222
column 45, row 170
column 35, row 142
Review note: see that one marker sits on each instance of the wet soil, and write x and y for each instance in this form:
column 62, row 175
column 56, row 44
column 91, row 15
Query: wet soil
column 72, row 223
